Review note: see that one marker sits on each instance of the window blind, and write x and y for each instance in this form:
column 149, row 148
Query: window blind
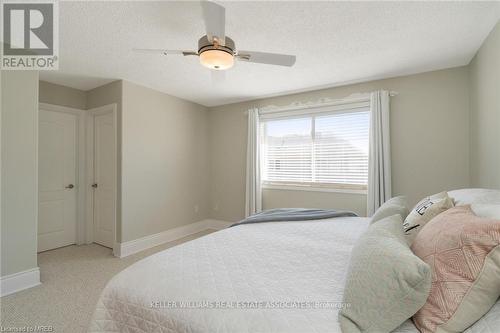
column 326, row 150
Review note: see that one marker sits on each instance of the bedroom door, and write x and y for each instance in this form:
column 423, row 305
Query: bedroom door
column 57, row 176
column 104, row 184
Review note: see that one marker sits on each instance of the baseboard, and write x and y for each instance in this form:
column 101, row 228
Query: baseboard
column 125, row 249
column 13, row 283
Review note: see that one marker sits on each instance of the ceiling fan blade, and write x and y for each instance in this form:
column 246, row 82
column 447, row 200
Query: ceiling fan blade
column 214, row 16
column 218, row 77
column 266, row 58
column 165, row 52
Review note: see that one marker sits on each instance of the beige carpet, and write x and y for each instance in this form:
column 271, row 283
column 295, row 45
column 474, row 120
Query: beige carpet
column 72, row 280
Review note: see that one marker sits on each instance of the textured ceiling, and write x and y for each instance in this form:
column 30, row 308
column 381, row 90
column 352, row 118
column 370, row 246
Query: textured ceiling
column 335, row 43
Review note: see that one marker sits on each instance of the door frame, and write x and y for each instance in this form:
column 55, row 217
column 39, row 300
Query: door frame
column 80, row 164
column 89, row 193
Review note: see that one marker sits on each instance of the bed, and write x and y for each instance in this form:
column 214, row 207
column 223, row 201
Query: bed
column 264, row 277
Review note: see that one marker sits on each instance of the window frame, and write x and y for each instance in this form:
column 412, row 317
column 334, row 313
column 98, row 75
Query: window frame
column 312, row 111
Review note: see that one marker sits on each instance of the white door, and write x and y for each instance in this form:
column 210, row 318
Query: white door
column 104, row 179
column 57, row 163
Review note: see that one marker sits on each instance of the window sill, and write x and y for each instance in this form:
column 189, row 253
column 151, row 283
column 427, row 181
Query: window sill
column 311, row 189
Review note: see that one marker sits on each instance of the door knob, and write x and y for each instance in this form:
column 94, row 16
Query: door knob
column 94, row 185
column 70, row 186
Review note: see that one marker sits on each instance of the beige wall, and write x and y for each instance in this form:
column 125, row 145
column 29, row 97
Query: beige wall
column 429, row 138
column 107, row 94
column 485, row 113
column 61, row 95
column 164, row 162
column 19, row 189
column 279, row 198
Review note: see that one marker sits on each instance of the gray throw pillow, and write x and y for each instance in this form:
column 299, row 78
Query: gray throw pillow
column 396, row 205
column 386, row 283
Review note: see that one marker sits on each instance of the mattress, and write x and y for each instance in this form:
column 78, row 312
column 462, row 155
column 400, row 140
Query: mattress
column 267, row 277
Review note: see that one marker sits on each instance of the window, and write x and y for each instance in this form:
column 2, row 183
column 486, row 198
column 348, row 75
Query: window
column 316, row 150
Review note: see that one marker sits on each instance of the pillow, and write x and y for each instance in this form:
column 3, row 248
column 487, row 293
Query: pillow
column 469, row 196
column 488, row 323
column 486, row 210
column 464, row 253
column 386, row 283
column 423, row 212
column 393, row 206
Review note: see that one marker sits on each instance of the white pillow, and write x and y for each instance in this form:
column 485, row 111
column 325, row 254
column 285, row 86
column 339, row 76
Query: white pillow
column 486, row 210
column 469, row 196
column 423, row 212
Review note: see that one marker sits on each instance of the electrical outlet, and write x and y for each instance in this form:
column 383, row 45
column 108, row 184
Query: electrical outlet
column 196, row 208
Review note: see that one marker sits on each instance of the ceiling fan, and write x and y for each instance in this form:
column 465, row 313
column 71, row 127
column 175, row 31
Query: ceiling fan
column 217, row 51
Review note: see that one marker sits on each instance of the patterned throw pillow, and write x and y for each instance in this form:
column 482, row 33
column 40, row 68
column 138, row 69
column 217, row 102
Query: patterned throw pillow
column 463, row 251
column 423, row 212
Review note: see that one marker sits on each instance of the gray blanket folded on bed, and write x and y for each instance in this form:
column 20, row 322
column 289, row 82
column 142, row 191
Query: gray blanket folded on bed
column 293, row 214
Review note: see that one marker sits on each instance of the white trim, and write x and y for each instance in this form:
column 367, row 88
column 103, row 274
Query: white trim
column 13, row 283
column 361, row 98
column 89, row 193
column 81, row 167
column 102, row 109
column 317, row 111
column 137, row 245
column 286, row 187
column 60, row 108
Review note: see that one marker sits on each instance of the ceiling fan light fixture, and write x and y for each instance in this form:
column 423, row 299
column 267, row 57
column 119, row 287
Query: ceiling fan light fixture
column 216, row 59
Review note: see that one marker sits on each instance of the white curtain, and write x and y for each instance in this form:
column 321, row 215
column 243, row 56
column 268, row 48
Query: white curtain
column 379, row 155
column 253, row 195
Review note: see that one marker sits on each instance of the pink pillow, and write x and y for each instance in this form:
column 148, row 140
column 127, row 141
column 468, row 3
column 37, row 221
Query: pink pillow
column 464, row 254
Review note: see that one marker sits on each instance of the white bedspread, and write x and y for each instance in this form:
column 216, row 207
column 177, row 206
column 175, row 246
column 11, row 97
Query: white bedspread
column 267, row 263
